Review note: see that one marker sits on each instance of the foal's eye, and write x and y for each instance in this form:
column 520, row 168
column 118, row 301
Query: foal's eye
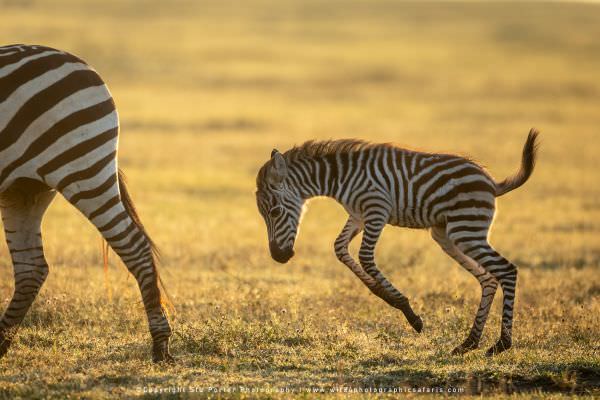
column 275, row 212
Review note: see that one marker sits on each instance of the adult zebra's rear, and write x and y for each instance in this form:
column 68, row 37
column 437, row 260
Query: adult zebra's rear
column 59, row 132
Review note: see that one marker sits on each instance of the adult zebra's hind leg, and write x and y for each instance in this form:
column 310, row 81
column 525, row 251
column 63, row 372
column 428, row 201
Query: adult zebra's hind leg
column 486, row 280
column 23, row 206
column 108, row 206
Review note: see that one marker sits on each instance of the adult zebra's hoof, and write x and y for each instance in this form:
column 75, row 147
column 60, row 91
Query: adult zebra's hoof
column 417, row 324
column 160, row 354
column 499, row 347
column 163, row 358
column 5, row 342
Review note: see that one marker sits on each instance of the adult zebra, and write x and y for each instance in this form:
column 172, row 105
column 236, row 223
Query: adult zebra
column 381, row 184
column 59, row 133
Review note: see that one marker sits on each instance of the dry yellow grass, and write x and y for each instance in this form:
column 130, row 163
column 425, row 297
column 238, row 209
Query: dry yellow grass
column 205, row 91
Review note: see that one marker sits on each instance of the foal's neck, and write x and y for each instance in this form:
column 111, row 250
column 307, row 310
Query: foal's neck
column 315, row 177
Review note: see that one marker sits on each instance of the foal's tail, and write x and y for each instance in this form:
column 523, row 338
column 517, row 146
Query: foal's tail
column 527, row 164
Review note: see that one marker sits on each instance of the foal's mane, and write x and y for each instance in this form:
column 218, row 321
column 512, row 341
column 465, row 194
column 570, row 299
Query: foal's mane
column 323, row 148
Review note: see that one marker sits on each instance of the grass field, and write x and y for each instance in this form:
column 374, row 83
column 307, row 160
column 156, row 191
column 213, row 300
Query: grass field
column 205, row 91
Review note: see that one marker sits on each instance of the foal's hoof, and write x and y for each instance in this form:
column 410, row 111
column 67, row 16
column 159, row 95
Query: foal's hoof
column 464, row 348
column 460, row 350
column 417, row 324
column 469, row 344
column 499, row 347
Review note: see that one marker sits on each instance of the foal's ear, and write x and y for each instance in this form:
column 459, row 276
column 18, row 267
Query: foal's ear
column 277, row 171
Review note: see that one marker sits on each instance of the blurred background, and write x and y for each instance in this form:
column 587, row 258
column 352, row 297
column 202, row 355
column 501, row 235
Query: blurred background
column 205, row 90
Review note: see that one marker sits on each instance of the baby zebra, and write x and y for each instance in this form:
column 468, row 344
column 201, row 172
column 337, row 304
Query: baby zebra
column 58, row 134
column 381, row 184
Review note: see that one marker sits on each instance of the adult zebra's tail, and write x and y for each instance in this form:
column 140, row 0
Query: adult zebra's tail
column 527, row 165
column 165, row 300
column 131, row 210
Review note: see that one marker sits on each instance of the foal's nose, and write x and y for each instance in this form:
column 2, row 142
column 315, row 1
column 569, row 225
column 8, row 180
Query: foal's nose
column 280, row 255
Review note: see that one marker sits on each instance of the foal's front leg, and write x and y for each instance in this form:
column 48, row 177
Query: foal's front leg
column 373, row 227
column 352, row 228
column 349, row 232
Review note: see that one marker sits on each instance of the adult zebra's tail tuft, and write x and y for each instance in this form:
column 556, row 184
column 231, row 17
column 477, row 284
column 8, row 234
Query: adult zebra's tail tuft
column 527, row 165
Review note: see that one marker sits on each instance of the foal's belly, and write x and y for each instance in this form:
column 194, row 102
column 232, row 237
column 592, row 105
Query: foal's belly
column 410, row 218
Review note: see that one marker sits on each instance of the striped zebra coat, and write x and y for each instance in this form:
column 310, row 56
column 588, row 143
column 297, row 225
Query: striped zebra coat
column 59, row 133
column 380, row 184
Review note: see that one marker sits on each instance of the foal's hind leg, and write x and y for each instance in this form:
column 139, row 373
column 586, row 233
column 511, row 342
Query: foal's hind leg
column 477, row 247
column 486, row 280
column 23, row 206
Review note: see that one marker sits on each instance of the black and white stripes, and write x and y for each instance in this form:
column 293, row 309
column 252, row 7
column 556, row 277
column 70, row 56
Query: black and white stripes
column 59, row 133
column 380, row 184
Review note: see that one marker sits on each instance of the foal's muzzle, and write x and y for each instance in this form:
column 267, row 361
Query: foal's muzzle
column 280, row 255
